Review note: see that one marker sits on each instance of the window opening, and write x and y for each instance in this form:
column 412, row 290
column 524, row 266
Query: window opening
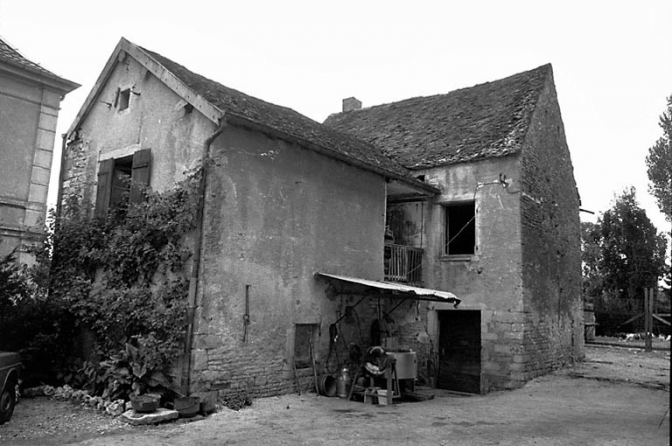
column 303, row 337
column 122, row 181
column 121, row 184
column 460, row 228
column 124, row 99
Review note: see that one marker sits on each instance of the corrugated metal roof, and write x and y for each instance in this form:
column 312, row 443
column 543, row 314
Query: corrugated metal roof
column 398, row 290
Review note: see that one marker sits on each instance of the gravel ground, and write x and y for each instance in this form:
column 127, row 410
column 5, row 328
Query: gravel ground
column 43, row 421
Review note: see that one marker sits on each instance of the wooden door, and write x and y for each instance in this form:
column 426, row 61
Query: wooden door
column 460, row 351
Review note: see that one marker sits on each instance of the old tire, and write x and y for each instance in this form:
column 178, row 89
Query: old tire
column 7, row 402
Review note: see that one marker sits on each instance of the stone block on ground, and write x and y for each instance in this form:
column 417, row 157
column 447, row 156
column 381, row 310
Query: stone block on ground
column 138, row 418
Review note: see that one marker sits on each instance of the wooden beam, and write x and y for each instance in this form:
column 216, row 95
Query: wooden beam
column 634, row 318
column 648, row 320
column 660, row 319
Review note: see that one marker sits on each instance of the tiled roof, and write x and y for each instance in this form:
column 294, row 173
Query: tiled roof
column 484, row 121
column 10, row 55
column 282, row 119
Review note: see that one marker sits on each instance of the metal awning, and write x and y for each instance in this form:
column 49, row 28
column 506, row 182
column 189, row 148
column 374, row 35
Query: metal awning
column 353, row 285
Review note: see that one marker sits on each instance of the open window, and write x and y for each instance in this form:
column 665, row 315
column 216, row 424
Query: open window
column 123, row 99
column 121, row 181
column 460, row 229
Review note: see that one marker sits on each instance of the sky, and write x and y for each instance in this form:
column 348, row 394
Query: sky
column 612, row 60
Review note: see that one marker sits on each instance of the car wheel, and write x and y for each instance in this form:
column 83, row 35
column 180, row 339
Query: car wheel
column 7, row 402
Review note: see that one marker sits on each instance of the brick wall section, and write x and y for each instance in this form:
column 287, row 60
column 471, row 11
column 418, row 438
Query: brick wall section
column 222, row 363
column 551, row 245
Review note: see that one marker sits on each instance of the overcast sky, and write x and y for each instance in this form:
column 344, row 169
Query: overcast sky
column 612, row 60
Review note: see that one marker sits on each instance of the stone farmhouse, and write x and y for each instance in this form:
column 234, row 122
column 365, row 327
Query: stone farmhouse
column 503, row 234
column 30, row 98
column 319, row 241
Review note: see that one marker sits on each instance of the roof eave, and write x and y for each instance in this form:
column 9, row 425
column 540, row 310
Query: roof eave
column 271, row 131
column 470, row 159
column 215, row 114
column 53, row 81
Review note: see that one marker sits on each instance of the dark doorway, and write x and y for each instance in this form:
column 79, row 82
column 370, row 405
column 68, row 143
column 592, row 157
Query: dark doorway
column 460, row 350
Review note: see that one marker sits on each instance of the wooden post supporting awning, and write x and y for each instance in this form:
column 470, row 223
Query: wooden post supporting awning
column 373, row 288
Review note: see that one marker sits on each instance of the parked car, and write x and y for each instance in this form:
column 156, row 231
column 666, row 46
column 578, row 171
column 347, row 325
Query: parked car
column 10, row 366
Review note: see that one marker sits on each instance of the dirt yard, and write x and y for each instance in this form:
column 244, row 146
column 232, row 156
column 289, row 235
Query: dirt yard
column 618, row 396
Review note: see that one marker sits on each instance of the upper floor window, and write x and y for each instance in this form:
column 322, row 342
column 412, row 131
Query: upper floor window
column 460, row 228
column 123, row 99
column 121, row 181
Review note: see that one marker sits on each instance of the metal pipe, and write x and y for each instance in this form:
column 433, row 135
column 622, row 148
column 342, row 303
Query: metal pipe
column 353, row 306
column 246, row 316
column 198, row 247
column 61, row 169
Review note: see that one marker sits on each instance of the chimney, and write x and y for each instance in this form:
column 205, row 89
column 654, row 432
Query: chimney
column 351, row 104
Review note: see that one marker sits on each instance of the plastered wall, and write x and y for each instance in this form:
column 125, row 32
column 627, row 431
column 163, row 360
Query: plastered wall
column 276, row 214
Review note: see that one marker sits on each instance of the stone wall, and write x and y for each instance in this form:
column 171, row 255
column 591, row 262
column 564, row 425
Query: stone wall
column 75, row 178
column 524, row 277
column 551, row 245
column 489, row 281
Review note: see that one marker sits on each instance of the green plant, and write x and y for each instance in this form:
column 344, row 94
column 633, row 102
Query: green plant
column 236, row 400
column 129, row 371
column 123, row 280
column 14, row 282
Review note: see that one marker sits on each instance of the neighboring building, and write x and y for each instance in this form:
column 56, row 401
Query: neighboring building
column 30, row 98
column 503, row 233
column 286, row 198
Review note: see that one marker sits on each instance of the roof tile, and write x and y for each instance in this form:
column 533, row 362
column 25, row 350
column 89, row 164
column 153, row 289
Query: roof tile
column 487, row 120
column 281, row 119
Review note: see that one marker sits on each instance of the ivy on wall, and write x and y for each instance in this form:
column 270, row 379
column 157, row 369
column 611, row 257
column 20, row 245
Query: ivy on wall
column 124, row 280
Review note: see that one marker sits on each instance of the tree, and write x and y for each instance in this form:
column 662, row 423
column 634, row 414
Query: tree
column 590, row 260
column 631, row 251
column 659, row 164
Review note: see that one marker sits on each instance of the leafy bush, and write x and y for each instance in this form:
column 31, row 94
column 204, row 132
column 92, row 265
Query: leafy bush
column 121, row 279
column 236, row 400
column 14, row 284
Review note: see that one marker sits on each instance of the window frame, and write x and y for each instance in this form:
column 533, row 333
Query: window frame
column 473, row 223
column 140, row 170
column 124, row 99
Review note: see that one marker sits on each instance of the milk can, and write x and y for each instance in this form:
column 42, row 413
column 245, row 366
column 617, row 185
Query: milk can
column 343, row 383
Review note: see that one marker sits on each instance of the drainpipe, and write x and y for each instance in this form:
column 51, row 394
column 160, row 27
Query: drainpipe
column 198, row 244
column 61, row 174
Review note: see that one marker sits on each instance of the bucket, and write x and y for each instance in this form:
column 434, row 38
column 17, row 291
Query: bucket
column 187, row 407
column 145, row 403
column 327, row 385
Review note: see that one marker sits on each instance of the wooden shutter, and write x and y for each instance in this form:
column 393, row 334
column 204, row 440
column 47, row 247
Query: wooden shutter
column 104, row 185
column 142, row 160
